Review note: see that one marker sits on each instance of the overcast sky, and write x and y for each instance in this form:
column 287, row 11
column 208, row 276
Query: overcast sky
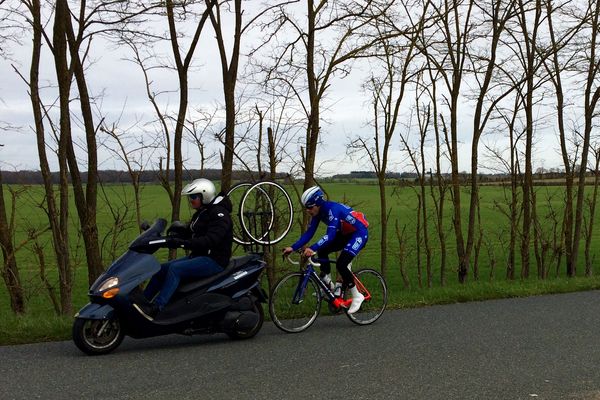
column 124, row 98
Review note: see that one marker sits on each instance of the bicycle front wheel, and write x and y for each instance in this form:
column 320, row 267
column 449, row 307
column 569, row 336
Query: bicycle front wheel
column 294, row 307
column 372, row 285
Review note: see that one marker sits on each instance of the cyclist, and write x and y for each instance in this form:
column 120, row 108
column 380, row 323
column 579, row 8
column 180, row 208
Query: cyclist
column 346, row 231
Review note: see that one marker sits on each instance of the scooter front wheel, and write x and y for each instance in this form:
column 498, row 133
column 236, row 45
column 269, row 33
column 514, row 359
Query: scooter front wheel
column 97, row 336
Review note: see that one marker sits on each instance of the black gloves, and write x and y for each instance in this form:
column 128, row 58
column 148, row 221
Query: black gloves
column 175, row 243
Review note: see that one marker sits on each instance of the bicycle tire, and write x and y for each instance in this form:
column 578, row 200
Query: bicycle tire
column 290, row 316
column 373, row 307
column 236, row 194
column 279, row 203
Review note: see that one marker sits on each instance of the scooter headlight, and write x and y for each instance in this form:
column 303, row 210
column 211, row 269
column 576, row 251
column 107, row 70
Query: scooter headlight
column 108, row 284
column 109, row 288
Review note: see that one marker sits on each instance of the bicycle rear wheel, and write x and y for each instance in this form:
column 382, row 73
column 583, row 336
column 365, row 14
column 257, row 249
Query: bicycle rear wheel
column 372, row 285
column 292, row 307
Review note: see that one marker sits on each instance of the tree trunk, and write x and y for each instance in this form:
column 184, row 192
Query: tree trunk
column 591, row 98
column 56, row 215
column 10, row 270
column 312, row 131
column 383, row 222
column 85, row 201
column 63, row 77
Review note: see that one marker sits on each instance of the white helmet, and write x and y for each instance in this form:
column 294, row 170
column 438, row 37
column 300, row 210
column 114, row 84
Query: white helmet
column 313, row 196
column 202, row 187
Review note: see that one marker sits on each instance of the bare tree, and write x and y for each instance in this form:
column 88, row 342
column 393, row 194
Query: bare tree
column 198, row 131
column 439, row 187
column 10, row 270
column 57, row 211
column 529, row 27
column 323, row 45
column 591, row 64
column 85, row 199
column 417, row 157
column 229, row 68
column 63, row 77
column 396, row 56
column 485, row 68
column 448, row 55
column 465, row 44
column 561, row 61
column 509, row 165
column 592, row 202
column 135, row 153
column 143, row 46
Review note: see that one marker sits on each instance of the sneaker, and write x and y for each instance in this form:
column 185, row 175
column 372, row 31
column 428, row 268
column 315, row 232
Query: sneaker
column 148, row 311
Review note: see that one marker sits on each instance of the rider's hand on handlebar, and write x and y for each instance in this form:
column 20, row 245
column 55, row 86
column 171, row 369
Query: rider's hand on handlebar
column 287, row 250
column 308, row 252
column 175, row 243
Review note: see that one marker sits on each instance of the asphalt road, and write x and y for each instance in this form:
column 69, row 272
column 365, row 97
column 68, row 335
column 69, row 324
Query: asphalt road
column 533, row 348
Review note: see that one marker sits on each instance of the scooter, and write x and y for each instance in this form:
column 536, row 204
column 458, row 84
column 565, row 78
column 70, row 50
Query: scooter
column 229, row 302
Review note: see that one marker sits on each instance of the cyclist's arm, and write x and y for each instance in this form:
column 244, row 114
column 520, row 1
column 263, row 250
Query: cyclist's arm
column 332, row 229
column 306, row 236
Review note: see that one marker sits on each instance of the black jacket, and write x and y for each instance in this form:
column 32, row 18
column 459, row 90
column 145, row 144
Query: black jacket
column 212, row 231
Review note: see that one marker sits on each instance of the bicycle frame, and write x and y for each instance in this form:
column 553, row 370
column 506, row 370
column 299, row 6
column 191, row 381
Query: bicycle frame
column 329, row 296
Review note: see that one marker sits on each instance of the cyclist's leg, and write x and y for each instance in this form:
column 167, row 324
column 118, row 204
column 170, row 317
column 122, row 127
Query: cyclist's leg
column 356, row 243
column 337, row 244
column 343, row 261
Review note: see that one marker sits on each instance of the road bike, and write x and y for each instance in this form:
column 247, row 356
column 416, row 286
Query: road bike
column 295, row 300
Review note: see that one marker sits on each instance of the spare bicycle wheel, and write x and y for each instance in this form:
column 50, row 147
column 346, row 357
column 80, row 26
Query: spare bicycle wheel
column 266, row 213
column 235, row 194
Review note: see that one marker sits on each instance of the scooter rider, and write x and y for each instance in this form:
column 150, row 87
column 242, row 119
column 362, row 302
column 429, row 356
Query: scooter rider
column 346, row 231
column 209, row 238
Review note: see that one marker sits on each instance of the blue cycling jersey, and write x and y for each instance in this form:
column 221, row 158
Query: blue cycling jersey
column 339, row 219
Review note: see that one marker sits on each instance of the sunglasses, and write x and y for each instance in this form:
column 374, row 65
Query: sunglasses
column 310, row 207
column 195, row 196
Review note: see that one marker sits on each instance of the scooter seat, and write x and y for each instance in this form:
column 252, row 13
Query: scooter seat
column 234, row 264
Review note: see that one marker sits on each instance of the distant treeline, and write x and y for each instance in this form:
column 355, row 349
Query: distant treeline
column 113, row 176
column 153, row 176
column 540, row 178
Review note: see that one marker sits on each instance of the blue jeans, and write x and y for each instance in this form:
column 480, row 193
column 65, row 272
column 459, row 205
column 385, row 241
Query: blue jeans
column 167, row 279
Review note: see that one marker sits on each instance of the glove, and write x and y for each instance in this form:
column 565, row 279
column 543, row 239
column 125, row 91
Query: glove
column 175, row 243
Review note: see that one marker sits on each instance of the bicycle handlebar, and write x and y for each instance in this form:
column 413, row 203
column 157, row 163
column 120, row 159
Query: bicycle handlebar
column 310, row 261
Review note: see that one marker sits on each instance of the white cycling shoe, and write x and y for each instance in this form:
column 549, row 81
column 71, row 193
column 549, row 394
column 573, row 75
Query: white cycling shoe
column 357, row 300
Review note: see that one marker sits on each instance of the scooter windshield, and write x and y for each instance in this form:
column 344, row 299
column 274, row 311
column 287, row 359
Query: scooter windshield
column 142, row 243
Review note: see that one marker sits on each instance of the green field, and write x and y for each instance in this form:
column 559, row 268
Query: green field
column 40, row 323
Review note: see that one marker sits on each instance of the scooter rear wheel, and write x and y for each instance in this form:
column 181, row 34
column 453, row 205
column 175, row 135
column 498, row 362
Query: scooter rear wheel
column 97, row 336
column 237, row 335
